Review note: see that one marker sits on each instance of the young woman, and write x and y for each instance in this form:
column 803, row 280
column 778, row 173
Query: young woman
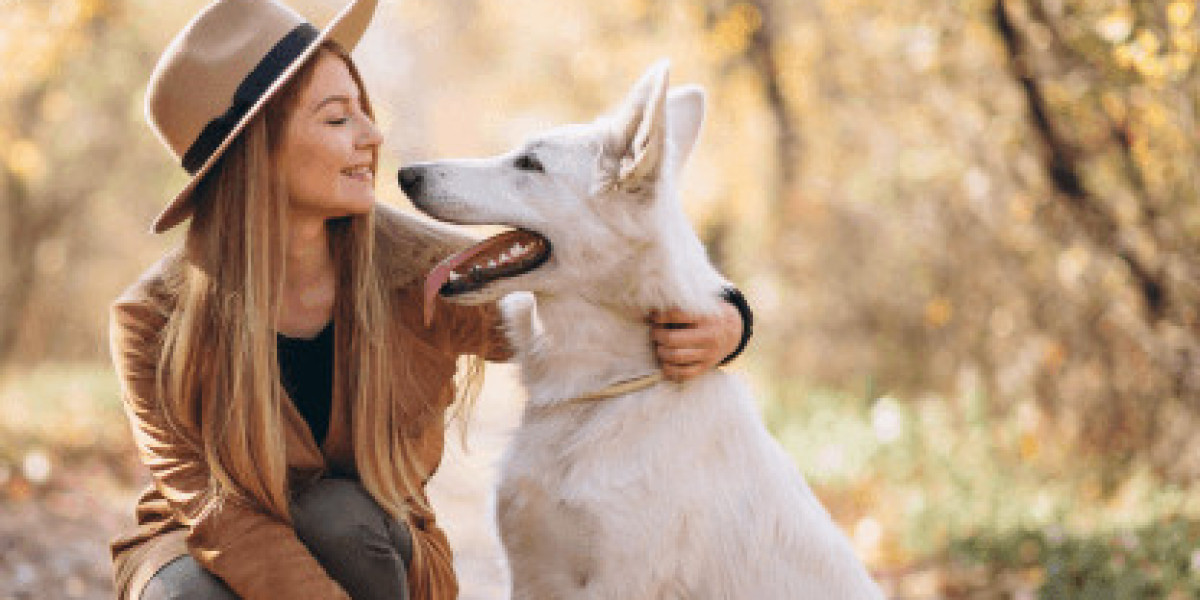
column 281, row 386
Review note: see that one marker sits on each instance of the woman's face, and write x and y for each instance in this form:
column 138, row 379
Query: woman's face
column 329, row 145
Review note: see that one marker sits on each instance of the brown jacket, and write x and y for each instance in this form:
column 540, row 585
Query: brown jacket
column 259, row 556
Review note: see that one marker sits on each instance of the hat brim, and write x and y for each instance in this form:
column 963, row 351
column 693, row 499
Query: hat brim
column 346, row 28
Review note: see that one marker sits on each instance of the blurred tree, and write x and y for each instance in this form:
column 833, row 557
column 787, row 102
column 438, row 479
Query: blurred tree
column 748, row 33
column 77, row 168
column 1123, row 179
column 35, row 206
column 976, row 200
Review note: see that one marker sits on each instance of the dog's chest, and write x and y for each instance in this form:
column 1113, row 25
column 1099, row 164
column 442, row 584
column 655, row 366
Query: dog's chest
column 580, row 450
column 577, row 462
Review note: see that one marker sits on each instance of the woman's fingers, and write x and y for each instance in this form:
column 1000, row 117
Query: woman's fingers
column 685, row 344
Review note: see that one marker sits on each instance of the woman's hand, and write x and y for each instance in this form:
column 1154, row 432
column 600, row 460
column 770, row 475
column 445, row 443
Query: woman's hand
column 688, row 345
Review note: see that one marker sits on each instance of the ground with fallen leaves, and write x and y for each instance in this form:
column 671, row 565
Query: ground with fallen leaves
column 59, row 510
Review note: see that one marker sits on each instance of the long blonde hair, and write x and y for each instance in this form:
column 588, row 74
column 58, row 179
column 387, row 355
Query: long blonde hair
column 219, row 372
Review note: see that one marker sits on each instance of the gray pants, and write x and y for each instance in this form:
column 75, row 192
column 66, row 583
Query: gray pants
column 358, row 543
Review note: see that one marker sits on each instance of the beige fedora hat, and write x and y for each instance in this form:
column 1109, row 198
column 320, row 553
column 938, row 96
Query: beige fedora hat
column 219, row 72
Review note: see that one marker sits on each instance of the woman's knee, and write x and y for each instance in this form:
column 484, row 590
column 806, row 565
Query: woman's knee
column 184, row 579
column 336, row 511
column 336, row 514
column 357, row 542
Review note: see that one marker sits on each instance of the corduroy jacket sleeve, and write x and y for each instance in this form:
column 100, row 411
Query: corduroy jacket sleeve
column 256, row 554
column 459, row 329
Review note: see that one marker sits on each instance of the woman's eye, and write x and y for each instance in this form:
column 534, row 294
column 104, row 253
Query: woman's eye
column 527, row 162
column 341, row 121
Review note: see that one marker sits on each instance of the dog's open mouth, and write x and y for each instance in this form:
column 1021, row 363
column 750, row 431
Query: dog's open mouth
column 503, row 255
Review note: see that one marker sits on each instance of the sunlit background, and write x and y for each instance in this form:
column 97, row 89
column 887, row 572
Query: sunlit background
column 968, row 228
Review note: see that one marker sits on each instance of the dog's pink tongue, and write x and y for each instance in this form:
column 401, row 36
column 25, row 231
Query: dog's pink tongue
column 440, row 274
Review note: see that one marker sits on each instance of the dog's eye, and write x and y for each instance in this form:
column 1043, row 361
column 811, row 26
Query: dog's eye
column 528, row 162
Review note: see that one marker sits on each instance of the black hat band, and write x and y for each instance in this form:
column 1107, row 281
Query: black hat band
column 252, row 88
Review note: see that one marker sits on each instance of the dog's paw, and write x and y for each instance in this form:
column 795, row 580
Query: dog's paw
column 517, row 302
column 520, row 318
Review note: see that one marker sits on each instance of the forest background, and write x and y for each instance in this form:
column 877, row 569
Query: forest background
column 969, row 230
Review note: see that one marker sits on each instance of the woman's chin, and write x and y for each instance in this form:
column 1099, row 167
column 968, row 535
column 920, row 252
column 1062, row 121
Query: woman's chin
column 361, row 206
column 343, row 207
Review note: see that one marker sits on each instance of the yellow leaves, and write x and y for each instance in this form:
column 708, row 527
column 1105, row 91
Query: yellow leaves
column 747, row 16
column 938, row 312
column 731, row 34
column 26, row 160
column 1180, row 13
column 1185, row 47
column 1154, row 70
column 1124, row 56
column 1113, row 106
column 1054, row 355
column 1154, row 115
column 1028, row 423
column 1178, row 63
column 1156, row 57
column 1148, row 41
column 1028, row 446
column 1142, row 55
column 1033, row 577
column 1140, row 147
column 1116, row 26
column 36, row 37
column 1185, row 42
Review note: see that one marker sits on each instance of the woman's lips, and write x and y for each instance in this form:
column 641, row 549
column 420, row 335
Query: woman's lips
column 363, row 174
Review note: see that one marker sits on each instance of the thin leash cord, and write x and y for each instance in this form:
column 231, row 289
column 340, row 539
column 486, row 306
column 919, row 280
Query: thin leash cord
column 621, row 388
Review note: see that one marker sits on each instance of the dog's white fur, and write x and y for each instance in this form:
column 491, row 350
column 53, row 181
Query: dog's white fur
column 677, row 491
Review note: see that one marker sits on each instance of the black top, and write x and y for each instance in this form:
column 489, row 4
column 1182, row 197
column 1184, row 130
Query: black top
column 306, row 371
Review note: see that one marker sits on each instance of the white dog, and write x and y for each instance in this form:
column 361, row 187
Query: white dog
column 659, row 490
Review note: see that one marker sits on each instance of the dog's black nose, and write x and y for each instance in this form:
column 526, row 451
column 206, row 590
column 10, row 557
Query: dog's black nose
column 410, row 181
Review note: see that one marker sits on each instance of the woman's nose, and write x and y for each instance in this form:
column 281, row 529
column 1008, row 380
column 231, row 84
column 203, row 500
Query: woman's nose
column 371, row 134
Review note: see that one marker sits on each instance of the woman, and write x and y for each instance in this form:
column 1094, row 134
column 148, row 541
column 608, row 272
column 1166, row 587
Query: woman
column 282, row 389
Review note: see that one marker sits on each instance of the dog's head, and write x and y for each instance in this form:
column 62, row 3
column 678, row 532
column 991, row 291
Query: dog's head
column 583, row 200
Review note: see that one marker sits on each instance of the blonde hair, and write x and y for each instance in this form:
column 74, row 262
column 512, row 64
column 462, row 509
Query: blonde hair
column 219, row 373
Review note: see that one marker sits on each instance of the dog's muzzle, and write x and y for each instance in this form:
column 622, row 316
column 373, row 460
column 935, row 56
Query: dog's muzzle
column 412, row 179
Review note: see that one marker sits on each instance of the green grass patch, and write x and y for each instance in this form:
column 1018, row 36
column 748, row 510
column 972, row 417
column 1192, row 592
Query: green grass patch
column 946, row 480
column 61, row 409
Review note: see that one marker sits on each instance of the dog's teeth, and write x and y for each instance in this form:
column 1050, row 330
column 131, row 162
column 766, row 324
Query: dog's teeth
column 454, row 276
column 504, row 257
column 491, row 264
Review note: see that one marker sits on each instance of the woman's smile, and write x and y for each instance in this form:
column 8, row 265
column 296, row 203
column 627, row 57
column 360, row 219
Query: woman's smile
column 330, row 145
column 360, row 173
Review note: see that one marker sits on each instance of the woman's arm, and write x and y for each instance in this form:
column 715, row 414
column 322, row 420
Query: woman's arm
column 457, row 329
column 689, row 345
column 686, row 344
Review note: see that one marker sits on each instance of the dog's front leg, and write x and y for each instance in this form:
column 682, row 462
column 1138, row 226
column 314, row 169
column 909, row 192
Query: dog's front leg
column 521, row 323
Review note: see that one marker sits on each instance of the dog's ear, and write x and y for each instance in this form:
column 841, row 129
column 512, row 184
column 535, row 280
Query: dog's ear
column 640, row 127
column 685, row 114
